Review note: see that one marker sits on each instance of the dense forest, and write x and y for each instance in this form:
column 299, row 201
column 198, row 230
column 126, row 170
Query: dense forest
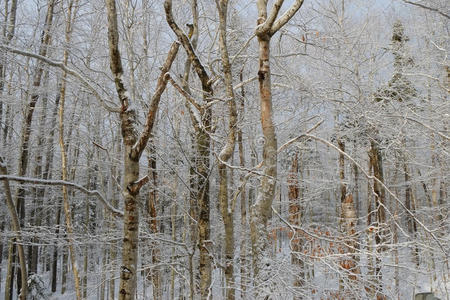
column 197, row 149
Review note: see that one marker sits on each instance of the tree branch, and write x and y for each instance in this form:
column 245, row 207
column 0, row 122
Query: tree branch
column 153, row 109
column 267, row 25
column 135, row 187
column 185, row 94
column 184, row 40
column 428, row 8
column 96, row 193
column 286, row 16
column 65, row 69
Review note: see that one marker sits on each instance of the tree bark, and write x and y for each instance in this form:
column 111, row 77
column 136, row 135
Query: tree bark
column 244, row 222
column 203, row 145
column 295, row 215
column 134, row 145
column 66, row 205
column 153, row 222
column 227, row 208
column 260, row 211
column 8, row 33
column 376, row 162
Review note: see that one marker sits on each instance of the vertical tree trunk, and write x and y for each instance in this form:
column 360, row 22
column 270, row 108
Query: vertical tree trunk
column 244, row 222
column 261, row 210
column 8, row 34
column 133, row 147
column 92, row 185
column 55, row 250
column 103, row 276
column 227, row 208
column 66, row 205
column 2, row 229
column 193, row 184
column 26, row 126
column 377, row 167
column 152, row 203
column 38, row 193
column 113, row 227
column 295, row 215
column 18, row 235
column 202, row 165
column 341, row 146
column 9, row 286
column 349, row 219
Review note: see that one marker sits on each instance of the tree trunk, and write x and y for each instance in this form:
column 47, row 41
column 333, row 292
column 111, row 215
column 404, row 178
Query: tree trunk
column 35, row 217
column 377, row 167
column 202, row 164
column 133, row 147
column 18, row 235
column 349, row 219
column 27, row 122
column 227, row 208
column 244, row 222
column 295, row 215
column 8, row 34
column 341, row 146
column 260, row 211
column 55, row 249
column 66, row 205
column 153, row 222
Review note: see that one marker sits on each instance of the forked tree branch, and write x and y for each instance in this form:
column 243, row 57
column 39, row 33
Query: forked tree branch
column 184, row 40
column 286, row 16
column 270, row 26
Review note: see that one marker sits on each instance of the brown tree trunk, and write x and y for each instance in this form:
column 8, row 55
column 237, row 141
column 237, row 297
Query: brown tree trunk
column 153, row 222
column 349, row 219
column 295, row 215
column 202, row 164
column 260, row 211
column 341, row 146
column 380, row 214
column 134, row 145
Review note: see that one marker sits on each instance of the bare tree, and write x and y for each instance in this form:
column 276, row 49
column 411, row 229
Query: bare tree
column 267, row 26
column 134, row 145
